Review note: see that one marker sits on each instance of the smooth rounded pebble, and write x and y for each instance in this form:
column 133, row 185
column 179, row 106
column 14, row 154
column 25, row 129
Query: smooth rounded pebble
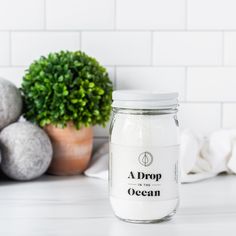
column 10, row 103
column 26, row 151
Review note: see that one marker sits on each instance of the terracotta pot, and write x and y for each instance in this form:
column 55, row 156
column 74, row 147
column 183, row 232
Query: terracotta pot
column 72, row 149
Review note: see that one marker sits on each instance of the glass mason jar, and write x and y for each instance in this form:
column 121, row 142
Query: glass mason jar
column 143, row 158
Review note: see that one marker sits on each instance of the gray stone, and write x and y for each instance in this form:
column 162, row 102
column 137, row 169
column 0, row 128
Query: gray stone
column 10, row 103
column 26, row 151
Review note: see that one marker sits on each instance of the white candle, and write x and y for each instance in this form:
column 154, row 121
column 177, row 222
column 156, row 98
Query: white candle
column 144, row 150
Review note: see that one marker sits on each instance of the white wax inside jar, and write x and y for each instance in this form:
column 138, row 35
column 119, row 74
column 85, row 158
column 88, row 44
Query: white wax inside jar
column 147, row 131
column 151, row 130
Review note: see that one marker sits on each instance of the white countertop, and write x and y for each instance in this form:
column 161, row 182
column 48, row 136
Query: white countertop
column 79, row 206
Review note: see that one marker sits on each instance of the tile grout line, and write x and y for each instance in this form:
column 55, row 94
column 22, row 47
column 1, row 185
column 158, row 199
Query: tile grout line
column 206, row 102
column 152, row 66
column 173, row 66
column 123, row 30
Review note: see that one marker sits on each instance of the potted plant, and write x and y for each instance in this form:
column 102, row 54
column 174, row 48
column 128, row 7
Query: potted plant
column 67, row 93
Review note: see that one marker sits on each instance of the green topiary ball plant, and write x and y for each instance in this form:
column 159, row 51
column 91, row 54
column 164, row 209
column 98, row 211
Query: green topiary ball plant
column 67, row 87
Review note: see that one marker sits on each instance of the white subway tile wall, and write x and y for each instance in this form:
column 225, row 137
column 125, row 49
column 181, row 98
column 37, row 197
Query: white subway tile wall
column 79, row 14
column 229, row 116
column 28, row 46
column 150, row 14
column 161, row 78
column 201, row 118
column 211, row 84
column 22, row 15
column 211, row 14
column 14, row 74
column 5, row 48
column 118, row 48
column 230, row 48
column 188, row 46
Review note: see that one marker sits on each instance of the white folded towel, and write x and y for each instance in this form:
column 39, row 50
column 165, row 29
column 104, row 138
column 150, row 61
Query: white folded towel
column 200, row 157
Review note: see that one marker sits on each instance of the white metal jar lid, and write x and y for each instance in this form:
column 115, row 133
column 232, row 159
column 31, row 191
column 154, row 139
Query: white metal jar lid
column 141, row 99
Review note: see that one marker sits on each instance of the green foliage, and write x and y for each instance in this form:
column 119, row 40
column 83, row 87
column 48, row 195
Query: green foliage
column 67, row 86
